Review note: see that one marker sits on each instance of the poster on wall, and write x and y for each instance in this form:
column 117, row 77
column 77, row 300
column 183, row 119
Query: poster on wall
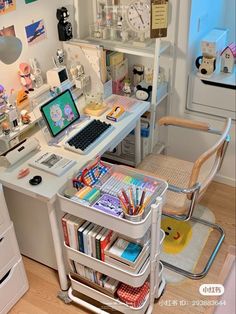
column 8, row 31
column 29, row 1
column 7, row 6
column 35, row 32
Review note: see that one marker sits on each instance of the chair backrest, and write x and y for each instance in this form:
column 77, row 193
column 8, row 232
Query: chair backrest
column 216, row 152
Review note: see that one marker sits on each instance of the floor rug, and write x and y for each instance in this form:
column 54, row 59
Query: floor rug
column 184, row 242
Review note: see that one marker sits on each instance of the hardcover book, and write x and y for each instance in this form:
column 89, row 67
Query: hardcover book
column 125, row 251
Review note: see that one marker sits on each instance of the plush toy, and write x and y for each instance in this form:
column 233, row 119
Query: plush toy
column 143, row 91
column 25, row 76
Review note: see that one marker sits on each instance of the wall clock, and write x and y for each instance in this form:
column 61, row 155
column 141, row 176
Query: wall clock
column 138, row 16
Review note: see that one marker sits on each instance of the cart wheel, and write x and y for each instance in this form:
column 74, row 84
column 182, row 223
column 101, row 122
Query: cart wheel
column 63, row 295
column 158, row 298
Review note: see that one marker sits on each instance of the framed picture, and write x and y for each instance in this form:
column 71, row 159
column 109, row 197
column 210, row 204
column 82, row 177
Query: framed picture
column 7, row 6
column 8, row 31
column 35, row 32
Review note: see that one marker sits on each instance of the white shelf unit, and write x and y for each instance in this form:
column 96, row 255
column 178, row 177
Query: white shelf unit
column 85, row 14
column 152, row 268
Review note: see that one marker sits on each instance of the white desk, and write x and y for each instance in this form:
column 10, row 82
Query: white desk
column 21, row 196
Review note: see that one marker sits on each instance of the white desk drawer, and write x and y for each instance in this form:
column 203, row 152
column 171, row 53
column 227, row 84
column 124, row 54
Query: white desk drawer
column 13, row 285
column 9, row 251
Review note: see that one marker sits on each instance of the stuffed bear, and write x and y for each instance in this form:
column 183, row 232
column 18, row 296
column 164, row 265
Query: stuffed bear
column 143, row 91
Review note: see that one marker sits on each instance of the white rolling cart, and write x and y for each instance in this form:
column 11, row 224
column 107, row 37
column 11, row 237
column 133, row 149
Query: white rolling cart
column 152, row 269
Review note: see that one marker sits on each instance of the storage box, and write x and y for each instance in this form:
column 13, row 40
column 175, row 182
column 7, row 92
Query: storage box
column 9, row 250
column 13, row 285
column 134, row 297
column 214, row 42
column 119, row 71
column 128, row 146
column 107, row 89
column 117, row 86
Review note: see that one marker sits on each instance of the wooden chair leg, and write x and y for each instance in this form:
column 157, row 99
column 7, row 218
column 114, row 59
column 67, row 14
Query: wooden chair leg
column 211, row 259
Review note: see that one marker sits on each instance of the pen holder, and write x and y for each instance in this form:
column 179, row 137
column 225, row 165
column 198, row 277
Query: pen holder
column 134, row 218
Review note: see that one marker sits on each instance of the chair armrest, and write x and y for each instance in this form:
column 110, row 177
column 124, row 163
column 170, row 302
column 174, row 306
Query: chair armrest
column 185, row 123
column 176, row 189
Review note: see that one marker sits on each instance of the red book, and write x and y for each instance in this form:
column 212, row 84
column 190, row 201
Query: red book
column 105, row 240
column 65, row 231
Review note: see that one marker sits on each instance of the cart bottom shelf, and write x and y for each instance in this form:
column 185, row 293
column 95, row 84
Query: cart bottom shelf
column 104, row 299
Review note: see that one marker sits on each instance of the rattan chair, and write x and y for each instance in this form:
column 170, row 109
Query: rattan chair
column 189, row 180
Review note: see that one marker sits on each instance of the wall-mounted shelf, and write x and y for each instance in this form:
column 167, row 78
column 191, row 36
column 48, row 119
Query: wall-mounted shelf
column 220, row 79
column 148, row 51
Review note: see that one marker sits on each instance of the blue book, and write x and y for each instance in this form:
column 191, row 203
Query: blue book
column 125, row 251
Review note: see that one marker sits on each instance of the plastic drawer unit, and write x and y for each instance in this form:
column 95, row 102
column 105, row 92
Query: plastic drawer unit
column 13, row 284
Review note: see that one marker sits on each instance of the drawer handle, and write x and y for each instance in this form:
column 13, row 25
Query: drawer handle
column 5, row 277
column 1, row 240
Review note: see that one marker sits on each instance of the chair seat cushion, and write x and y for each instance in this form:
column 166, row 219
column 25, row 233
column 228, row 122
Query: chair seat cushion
column 176, row 172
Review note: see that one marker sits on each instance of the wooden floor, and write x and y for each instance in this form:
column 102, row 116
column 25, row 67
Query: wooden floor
column 41, row 297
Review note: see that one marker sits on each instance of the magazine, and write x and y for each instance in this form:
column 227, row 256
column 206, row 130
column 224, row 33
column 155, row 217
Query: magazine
column 52, row 163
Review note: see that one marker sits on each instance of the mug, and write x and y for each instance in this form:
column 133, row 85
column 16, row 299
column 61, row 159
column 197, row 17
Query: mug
column 207, row 65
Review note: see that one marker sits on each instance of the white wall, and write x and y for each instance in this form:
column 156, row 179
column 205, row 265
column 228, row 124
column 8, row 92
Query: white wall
column 184, row 144
column 43, row 51
column 230, row 18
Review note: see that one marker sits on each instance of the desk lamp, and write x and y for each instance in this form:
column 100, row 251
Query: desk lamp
column 10, row 49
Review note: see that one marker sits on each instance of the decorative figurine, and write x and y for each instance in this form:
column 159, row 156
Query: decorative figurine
column 228, row 58
column 60, row 56
column 25, row 77
column 148, row 75
column 12, row 116
column 3, row 99
column 127, row 88
column 124, row 35
column 206, row 67
column 109, row 19
column 138, row 73
column 64, row 27
column 36, row 75
column 25, row 117
column 5, row 128
column 120, row 22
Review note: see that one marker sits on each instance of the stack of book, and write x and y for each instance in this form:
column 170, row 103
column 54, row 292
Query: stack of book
column 95, row 279
column 127, row 255
column 70, row 225
column 86, row 237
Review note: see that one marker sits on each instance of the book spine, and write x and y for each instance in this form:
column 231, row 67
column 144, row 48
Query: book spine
column 98, row 250
column 104, row 243
column 65, row 231
column 76, row 226
column 89, row 244
column 72, row 236
column 81, row 241
column 85, row 234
